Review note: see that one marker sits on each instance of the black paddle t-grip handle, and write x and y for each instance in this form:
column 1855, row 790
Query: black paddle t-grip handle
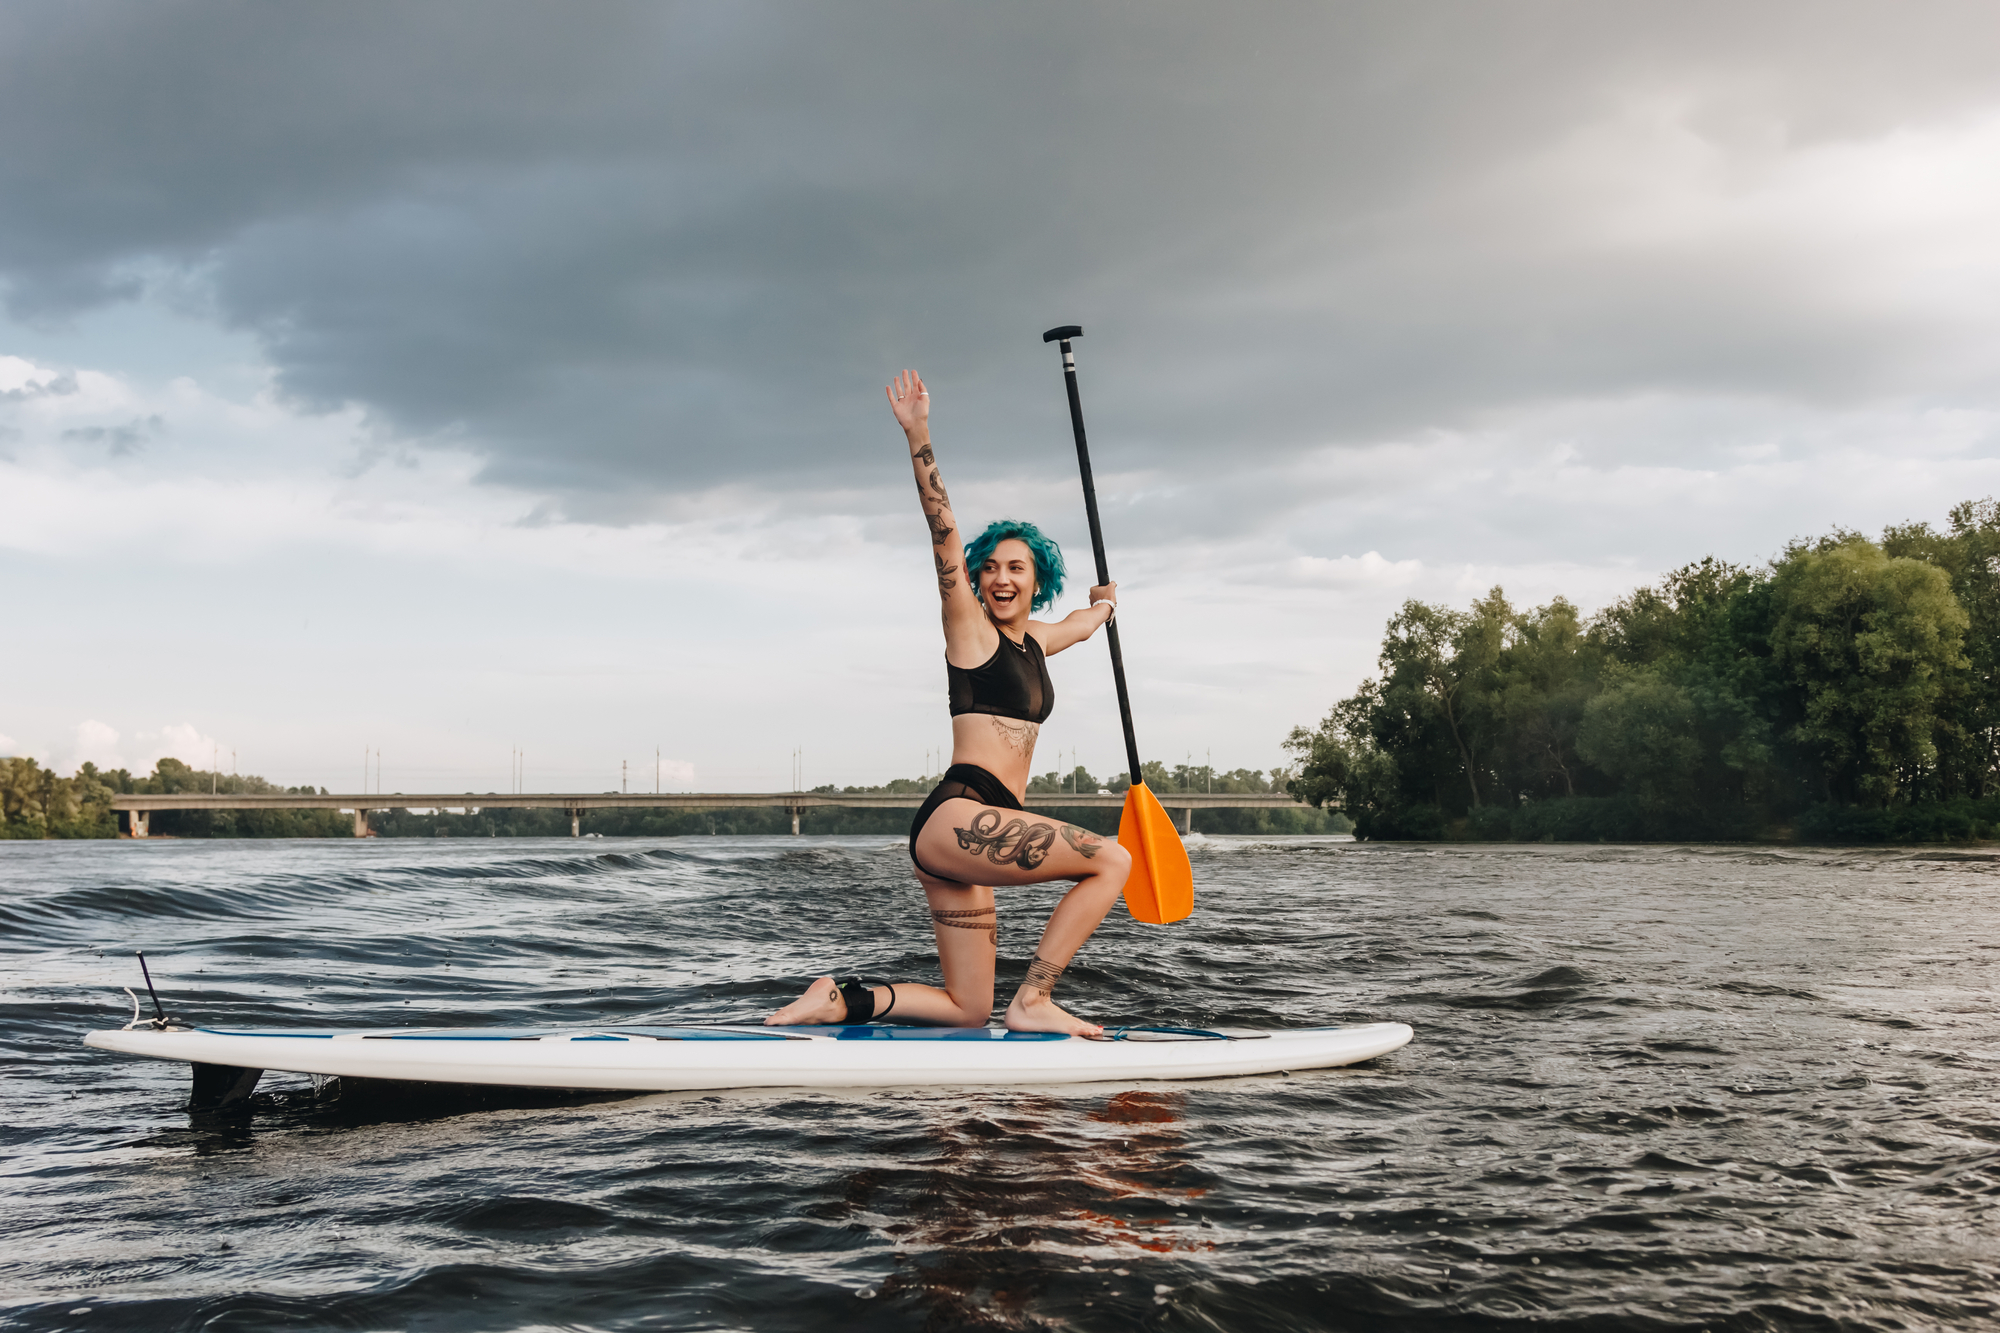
column 1061, row 336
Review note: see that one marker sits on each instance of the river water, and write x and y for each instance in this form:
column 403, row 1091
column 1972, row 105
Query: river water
column 1651, row 1088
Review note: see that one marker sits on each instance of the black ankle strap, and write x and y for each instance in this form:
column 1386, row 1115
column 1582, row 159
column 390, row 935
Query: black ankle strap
column 860, row 999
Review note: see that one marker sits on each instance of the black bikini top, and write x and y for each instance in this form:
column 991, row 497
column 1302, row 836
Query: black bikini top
column 1014, row 683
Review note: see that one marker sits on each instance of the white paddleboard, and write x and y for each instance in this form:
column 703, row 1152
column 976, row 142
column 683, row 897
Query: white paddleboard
column 694, row 1057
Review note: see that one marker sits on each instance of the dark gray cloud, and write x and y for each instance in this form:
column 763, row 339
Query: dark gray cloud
column 629, row 250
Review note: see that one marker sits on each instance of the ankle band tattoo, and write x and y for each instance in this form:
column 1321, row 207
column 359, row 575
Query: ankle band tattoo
column 968, row 920
column 1042, row 975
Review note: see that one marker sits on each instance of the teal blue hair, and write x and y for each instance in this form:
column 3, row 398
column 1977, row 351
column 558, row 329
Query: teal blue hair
column 1049, row 569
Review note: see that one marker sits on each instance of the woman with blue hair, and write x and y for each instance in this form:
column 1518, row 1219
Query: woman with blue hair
column 973, row 832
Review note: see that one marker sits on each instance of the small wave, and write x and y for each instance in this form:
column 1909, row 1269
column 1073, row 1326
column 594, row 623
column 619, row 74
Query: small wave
column 1611, row 1049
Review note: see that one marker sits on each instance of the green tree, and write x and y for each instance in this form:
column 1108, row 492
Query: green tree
column 1545, row 677
column 1078, row 781
column 1705, row 628
column 1644, row 733
column 36, row 803
column 1968, row 730
column 1341, row 763
column 22, row 798
column 1845, row 677
column 1442, row 661
column 1869, row 641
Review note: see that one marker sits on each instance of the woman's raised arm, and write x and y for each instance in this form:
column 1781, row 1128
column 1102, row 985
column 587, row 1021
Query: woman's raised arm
column 912, row 406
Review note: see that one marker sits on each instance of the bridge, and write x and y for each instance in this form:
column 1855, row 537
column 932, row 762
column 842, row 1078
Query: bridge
column 140, row 808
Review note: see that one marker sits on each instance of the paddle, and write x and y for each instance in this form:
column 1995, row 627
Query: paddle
column 1161, row 886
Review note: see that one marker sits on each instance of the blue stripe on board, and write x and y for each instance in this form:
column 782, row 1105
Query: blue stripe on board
column 454, row 1036
column 224, row 1032
column 1118, row 1034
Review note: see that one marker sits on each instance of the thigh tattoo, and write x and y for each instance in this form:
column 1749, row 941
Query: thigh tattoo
column 1025, row 845
column 1082, row 841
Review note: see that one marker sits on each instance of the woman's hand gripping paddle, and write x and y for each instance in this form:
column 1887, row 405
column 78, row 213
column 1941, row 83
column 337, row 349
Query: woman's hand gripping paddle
column 1161, row 886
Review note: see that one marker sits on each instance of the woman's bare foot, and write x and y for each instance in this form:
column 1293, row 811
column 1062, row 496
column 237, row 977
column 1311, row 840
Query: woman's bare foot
column 1036, row 1012
column 820, row 1005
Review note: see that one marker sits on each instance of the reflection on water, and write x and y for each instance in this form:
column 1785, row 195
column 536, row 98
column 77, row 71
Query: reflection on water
column 1672, row 1088
column 996, row 1207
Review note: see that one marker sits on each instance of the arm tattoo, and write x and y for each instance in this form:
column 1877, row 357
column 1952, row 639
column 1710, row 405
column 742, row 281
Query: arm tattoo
column 1082, row 841
column 944, row 572
column 1019, row 736
column 939, row 528
column 1019, row 842
column 926, row 455
column 937, row 485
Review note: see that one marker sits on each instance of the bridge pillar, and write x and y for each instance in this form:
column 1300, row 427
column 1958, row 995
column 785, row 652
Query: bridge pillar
column 138, row 823
column 1187, row 821
column 360, row 823
column 795, row 821
column 575, row 822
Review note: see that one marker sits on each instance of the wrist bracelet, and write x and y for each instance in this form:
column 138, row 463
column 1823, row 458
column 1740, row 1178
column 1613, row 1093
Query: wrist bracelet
column 1114, row 610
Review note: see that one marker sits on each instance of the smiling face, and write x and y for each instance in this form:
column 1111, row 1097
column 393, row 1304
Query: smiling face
column 1007, row 583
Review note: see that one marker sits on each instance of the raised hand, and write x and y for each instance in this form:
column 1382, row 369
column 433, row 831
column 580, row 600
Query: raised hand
column 910, row 402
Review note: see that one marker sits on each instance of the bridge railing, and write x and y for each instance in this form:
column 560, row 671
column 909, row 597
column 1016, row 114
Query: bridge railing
column 139, row 808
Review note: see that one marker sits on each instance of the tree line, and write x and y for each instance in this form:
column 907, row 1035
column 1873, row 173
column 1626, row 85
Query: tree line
column 1844, row 691
column 36, row 803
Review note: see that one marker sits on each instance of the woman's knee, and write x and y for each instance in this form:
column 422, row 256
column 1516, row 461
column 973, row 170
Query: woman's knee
column 971, row 1013
column 1115, row 859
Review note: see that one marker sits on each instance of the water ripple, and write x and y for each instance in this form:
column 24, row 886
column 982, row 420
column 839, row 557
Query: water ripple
column 1670, row 1088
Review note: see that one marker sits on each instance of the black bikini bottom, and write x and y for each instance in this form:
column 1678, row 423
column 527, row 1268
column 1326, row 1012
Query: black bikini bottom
column 960, row 780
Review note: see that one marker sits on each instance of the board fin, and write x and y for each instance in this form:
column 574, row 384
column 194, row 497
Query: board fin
column 221, row 1088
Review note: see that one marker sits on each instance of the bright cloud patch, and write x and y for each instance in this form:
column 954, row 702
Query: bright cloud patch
column 97, row 743
column 1348, row 571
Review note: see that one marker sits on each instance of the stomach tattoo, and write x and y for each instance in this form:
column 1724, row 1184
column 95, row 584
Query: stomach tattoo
column 1017, row 736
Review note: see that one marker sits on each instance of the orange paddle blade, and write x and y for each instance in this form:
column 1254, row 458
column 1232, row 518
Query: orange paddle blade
column 1161, row 888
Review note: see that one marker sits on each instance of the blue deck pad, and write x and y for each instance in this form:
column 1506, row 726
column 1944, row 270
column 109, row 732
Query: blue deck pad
column 883, row 1032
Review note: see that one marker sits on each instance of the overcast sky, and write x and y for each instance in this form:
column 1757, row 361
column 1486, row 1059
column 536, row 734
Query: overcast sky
column 449, row 378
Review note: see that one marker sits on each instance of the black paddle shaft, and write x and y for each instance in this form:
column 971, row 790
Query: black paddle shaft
column 1061, row 337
